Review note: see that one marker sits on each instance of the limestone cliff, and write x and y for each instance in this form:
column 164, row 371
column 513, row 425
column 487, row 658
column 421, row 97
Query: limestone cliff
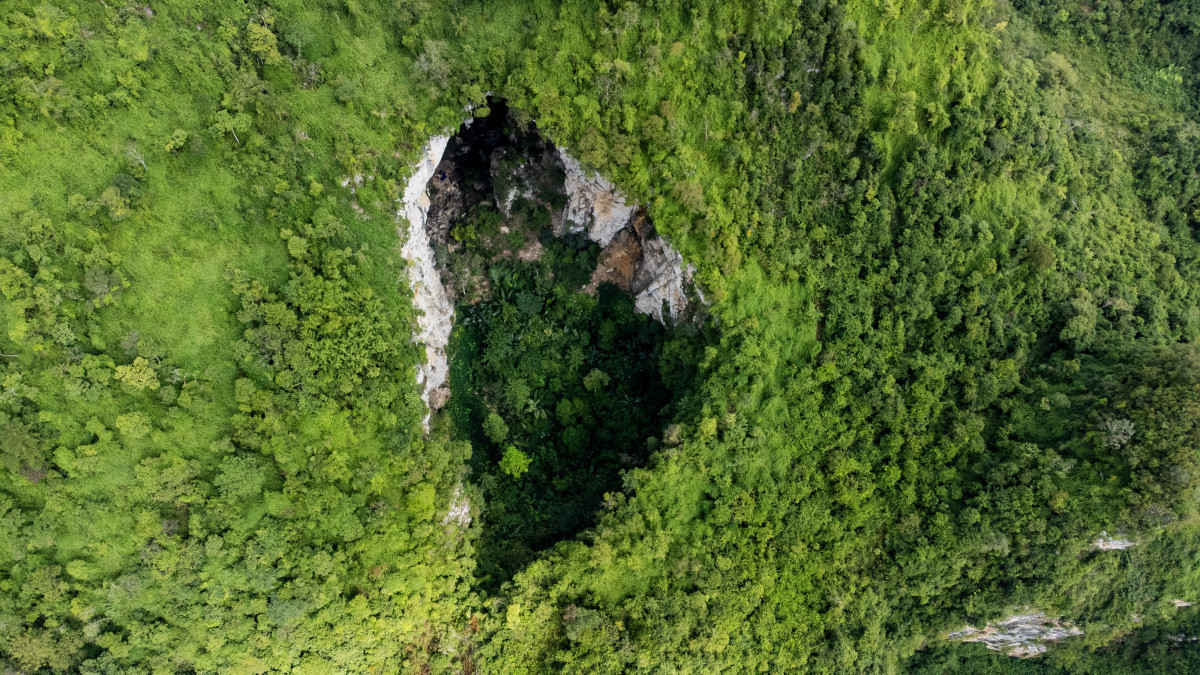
column 595, row 207
column 520, row 165
column 593, row 204
column 436, row 309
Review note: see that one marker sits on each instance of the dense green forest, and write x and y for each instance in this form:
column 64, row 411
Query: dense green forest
column 951, row 267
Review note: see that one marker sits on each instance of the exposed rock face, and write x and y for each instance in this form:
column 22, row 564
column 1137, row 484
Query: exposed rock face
column 449, row 200
column 639, row 261
column 593, row 204
column 596, row 208
column 429, row 295
column 459, row 513
column 1022, row 635
column 662, row 278
column 1107, row 543
column 619, row 262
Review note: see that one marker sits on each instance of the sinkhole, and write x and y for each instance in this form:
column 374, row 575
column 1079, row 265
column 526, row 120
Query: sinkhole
column 575, row 331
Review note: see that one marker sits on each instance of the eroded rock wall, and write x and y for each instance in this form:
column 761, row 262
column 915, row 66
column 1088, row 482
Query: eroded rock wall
column 436, row 317
column 662, row 278
column 1021, row 635
column 595, row 207
column 593, row 204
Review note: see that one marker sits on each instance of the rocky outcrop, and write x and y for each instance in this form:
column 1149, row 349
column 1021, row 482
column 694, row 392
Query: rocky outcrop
column 1107, row 543
column 597, row 209
column 593, row 204
column 1021, row 635
column 619, row 262
column 449, row 199
column 662, row 279
column 436, row 309
column 459, row 513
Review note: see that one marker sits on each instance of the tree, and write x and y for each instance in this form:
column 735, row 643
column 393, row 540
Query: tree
column 596, row 380
column 224, row 123
column 136, row 155
column 176, row 141
column 138, row 375
column 240, row 479
column 495, row 428
column 514, row 463
column 264, row 44
column 19, row 446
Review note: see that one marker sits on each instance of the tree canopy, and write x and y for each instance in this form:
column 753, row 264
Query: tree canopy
column 949, row 254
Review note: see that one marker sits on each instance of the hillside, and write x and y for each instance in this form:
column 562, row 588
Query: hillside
column 779, row 336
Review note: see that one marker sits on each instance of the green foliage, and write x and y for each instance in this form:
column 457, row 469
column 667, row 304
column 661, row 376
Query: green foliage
column 137, row 375
column 950, row 248
column 495, row 428
column 168, row 470
column 263, row 44
column 567, row 383
column 514, row 462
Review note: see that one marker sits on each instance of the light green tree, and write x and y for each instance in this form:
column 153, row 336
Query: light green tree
column 514, row 463
column 138, row 375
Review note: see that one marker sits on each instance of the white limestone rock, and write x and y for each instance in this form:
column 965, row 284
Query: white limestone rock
column 459, row 513
column 593, row 204
column 1020, row 635
column 436, row 318
column 1107, row 543
column 596, row 207
column 662, row 277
